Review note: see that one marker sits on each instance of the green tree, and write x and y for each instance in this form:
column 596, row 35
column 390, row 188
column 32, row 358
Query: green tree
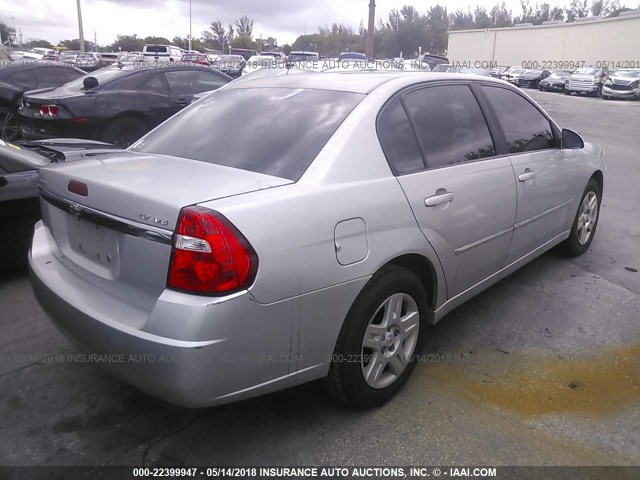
column 462, row 20
column 500, row 16
column 244, row 27
column 244, row 42
column 156, row 40
column 7, row 35
column 600, row 7
column 577, row 9
column 127, row 43
column 35, row 42
column 75, row 44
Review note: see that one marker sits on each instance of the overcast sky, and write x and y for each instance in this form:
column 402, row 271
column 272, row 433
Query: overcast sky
column 56, row 20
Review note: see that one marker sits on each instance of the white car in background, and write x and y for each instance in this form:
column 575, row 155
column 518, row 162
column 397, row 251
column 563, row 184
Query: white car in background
column 162, row 53
column 257, row 62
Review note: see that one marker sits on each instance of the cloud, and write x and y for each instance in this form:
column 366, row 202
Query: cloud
column 55, row 20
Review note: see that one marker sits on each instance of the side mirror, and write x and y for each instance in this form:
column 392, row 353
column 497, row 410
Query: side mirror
column 571, row 140
column 90, row 82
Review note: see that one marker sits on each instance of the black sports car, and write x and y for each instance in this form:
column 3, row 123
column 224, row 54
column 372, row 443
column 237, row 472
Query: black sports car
column 532, row 78
column 16, row 78
column 555, row 82
column 116, row 106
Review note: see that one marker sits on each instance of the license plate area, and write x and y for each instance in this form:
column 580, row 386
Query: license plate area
column 94, row 243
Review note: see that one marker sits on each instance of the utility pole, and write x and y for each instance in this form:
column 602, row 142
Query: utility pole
column 80, row 27
column 189, row 25
column 372, row 27
column 95, row 41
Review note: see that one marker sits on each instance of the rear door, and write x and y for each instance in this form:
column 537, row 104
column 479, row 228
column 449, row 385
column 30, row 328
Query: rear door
column 541, row 168
column 462, row 195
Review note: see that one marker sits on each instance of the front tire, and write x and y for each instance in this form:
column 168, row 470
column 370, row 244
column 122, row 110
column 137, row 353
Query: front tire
column 377, row 345
column 586, row 220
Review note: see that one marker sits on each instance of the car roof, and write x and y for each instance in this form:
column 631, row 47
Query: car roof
column 260, row 57
column 5, row 69
column 357, row 82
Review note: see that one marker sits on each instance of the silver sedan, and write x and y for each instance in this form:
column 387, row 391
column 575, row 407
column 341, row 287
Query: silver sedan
column 294, row 228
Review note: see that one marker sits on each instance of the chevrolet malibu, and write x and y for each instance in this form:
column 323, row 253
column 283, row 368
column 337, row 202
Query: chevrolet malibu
column 357, row 210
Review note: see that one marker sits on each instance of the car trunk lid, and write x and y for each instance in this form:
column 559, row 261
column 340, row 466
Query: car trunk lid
column 119, row 233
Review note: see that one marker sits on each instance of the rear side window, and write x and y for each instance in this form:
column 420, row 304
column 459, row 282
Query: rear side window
column 449, row 124
column 155, row 49
column 55, row 76
column 24, row 78
column 524, row 126
column 275, row 131
column 191, row 82
column 398, row 140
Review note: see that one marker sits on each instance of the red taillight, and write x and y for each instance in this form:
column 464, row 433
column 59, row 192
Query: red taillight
column 49, row 110
column 210, row 256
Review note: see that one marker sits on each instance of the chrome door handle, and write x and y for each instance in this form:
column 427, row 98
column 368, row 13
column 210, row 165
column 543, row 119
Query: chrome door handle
column 439, row 199
column 526, row 176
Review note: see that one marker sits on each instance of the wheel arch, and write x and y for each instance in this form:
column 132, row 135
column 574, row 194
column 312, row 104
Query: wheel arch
column 599, row 178
column 424, row 269
column 122, row 115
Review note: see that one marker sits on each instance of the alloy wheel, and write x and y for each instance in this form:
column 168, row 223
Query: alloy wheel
column 390, row 340
column 9, row 126
column 587, row 217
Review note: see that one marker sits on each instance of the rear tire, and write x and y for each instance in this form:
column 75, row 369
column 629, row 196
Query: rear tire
column 586, row 220
column 122, row 132
column 567, row 92
column 380, row 339
column 9, row 125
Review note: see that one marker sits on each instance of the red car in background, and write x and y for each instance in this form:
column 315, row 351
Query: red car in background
column 197, row 58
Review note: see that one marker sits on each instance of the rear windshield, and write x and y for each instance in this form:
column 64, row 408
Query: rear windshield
column 155, row 49
column 588, row 70
column 103, row 76
column 275, row 131
column 354, row 56
column 301, row 57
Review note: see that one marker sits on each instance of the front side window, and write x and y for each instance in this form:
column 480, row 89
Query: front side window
column 524, row 126
column 449, row 124
column 281, row 130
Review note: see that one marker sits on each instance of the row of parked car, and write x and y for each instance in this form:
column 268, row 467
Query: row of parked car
column 589, row 80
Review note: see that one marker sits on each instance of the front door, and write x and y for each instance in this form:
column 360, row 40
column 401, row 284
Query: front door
column 541, row 170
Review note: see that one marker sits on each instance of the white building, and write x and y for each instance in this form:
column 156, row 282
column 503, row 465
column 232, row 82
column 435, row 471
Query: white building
column 589, row 41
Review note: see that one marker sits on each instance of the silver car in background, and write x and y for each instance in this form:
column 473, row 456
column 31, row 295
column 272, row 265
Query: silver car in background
column 357, row 210
column 622, row 84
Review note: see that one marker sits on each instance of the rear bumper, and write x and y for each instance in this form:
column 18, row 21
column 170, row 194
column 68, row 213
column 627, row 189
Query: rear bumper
column 188, row 350
column 35, row 129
